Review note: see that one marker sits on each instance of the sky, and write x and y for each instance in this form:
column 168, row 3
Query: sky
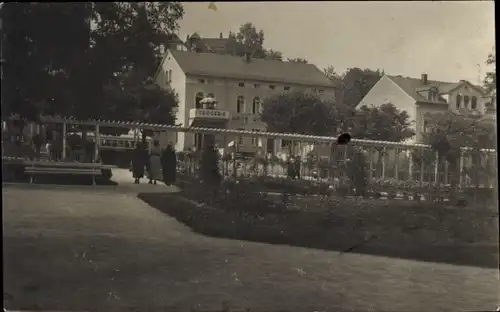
column 447, row 40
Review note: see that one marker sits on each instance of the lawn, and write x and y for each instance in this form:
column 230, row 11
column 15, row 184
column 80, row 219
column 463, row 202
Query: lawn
column 394, row 228
column 96, row 250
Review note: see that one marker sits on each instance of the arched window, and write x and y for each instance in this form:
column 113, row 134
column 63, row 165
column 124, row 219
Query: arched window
column 473, row 104
column 459, row 101
column 240, row 104
column 466, row 101
column 257, row 105
column 199, row 97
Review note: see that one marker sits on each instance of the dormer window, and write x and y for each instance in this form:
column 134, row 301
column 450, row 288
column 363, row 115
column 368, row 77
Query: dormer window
column 473, row 104
column 466, row 101
column 459, row 101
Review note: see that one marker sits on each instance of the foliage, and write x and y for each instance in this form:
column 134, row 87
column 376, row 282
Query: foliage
column 353, row 84
column 490, row 81
column 385, row 123
column 297, row 60
column 448, row 132
column 357, row 169
column 299, row 112
column 271, row 54
column 209, row 167
column 55, row 63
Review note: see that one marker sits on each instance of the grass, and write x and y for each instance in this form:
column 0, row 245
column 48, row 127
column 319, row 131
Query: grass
column 424, row 232
column 94, row 250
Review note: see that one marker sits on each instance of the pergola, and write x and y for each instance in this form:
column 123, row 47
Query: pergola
column 382, row 147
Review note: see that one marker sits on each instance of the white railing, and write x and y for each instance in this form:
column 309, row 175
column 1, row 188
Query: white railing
column 208, row 113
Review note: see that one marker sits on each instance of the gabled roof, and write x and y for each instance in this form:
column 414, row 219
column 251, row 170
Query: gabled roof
column 412, row 86
column 228, row 66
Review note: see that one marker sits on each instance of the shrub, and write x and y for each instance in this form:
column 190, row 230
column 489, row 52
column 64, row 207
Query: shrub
column 356, row 170
column 209, row 168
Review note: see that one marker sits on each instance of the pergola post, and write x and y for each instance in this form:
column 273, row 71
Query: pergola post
column 96, row 143
column 64, row 143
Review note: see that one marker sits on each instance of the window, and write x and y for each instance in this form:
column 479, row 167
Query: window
column 201, row 80
column 473, row 104
column 210, row 81
column 198, row 98
column 241, row 84
column 256, row 107
column 459, row 101
column 240, row 104
column 321, row 91
column 255, row 141
column 240, row 138
column 426, row 124
column 286, row 88
column 466, row 101
column 272, row 87
column 256, row 86
column 169, row 75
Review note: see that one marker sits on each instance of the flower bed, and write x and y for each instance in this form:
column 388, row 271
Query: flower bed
column 427, row 232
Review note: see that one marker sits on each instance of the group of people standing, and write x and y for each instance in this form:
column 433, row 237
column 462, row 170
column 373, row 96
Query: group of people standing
column 158, row 164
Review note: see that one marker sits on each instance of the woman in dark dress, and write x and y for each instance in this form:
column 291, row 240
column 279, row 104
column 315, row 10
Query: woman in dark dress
column 139, row 160
column 169, row 165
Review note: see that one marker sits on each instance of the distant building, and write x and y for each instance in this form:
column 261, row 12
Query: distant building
column 419, row 97
column 239, row 85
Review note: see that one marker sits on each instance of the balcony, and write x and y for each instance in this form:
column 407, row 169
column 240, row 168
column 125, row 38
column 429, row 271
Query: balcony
column 206, row 117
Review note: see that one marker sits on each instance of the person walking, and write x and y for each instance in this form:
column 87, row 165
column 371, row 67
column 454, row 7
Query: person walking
column 139, row 161
column 169, row 165
column 154, row 168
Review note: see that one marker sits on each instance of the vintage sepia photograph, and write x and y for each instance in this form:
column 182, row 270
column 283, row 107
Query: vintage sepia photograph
column 249, row 156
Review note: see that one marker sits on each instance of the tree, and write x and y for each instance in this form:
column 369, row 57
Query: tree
column 490, row 81
column 250, row 40
column 42, row 48
column 56, row 64
column 273, row 55
column 331, row 74
column 356, row 83
column 385, row 123
column 299, row 112
column 448, row 132
column 297, row 60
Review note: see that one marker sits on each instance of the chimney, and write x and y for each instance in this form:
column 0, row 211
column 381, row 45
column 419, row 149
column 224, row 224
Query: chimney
column 221, row 36
column 424, row 79
column 248, row 57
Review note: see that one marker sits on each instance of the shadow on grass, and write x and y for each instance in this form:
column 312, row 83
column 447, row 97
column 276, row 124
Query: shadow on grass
column 380, row 234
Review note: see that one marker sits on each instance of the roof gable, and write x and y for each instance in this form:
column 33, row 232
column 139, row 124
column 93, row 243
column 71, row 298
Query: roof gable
column 228, row 66
column 414, row 86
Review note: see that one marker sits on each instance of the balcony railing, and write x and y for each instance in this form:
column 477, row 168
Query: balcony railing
column 205, row 113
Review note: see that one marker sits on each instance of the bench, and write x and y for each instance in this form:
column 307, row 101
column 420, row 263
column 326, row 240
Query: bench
column 32, row 171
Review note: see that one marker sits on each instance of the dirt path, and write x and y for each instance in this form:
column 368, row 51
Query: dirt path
column 83, row 248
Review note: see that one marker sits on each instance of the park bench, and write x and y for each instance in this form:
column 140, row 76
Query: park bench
column 32, row 171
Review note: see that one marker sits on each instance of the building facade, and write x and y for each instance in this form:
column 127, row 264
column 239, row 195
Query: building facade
column 420, row 97
column 239, row 85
